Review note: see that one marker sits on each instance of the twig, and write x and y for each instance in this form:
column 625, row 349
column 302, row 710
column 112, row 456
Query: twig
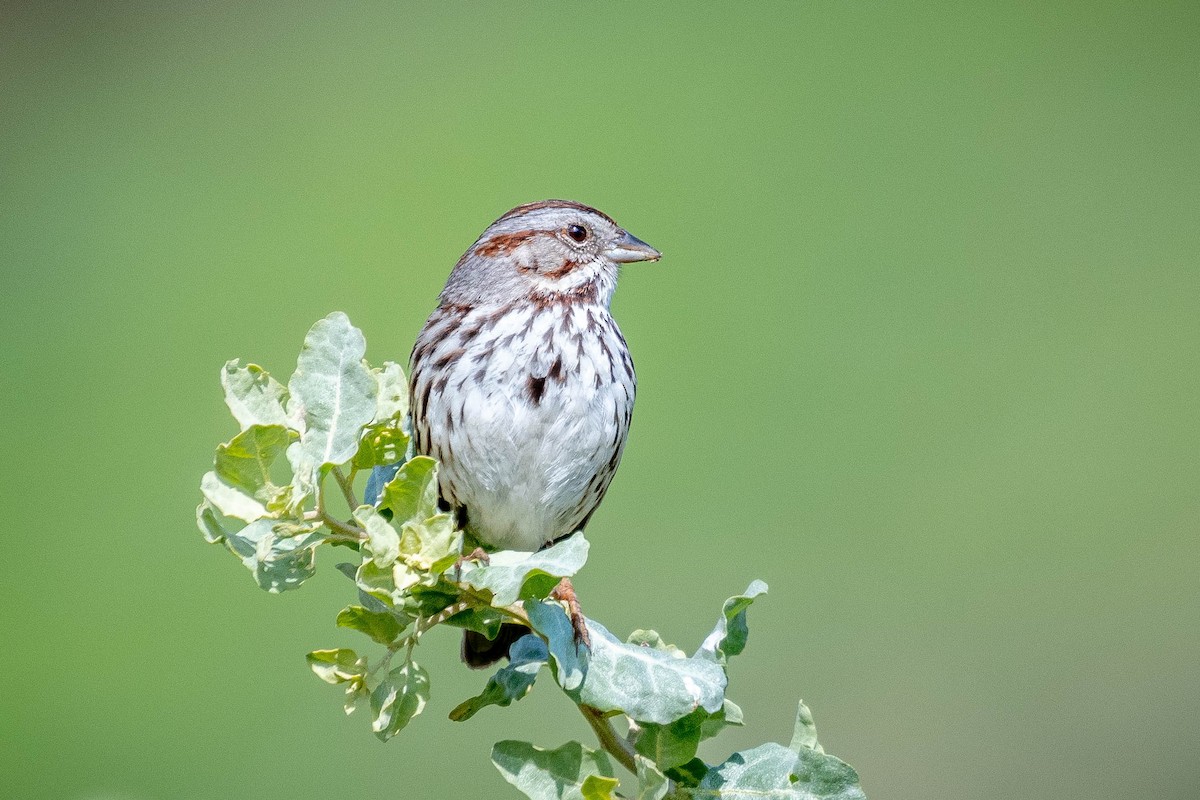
column 346, row 486
column 617, row 747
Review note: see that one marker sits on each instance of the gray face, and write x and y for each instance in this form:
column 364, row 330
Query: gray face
column 545, row 251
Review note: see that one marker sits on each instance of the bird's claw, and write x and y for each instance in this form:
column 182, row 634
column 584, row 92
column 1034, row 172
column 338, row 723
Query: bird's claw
column 565, row 593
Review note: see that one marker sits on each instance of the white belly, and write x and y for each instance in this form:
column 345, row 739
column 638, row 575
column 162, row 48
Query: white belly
column 528, row 448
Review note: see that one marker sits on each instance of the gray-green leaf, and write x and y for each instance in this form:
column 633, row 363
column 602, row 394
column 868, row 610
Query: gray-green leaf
column 526, row 657
column 805, row 733
column 508, row 571
column 245, row 461
column 391, row 404
column 336, row 389
column 729, row 636
column 381, row 626
column 558, row 774
column 772, row 770
column 398, row 698
column 280, row 554
column 646, row 684
column 255, row 398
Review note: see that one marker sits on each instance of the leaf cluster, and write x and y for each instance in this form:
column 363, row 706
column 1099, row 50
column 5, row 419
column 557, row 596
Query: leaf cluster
column 270, row 497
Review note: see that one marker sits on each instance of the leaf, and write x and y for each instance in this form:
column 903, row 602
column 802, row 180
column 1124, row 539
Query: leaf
column 245, row 461
column 646, row 684
column 398, row 698
column 729, row 636
column 213, row 524
column 280, row 554
column 391, row 401
column 730, row 715
column 255, row 398
column 383, row 541
column 772, row 770
column 383, row 627
column 337, row 666
column 674, row 744
column 526, row 657
column 229, row 500
column 805, row 733
column 652, row 784
column 652, row 640
column 557, row 774
column 413, row 492
column 433, row 545
column 567, row 657
column 335, row 387
column 508, row 571
column 380, row 446
column 596, row 787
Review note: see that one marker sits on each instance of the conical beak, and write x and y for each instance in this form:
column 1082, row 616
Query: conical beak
column 629, row 248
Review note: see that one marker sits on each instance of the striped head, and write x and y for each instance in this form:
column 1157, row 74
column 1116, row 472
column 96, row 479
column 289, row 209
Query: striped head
column 545, row 252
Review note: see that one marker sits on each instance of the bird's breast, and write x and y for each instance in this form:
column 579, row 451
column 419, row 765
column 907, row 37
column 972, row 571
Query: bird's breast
column 527, row 408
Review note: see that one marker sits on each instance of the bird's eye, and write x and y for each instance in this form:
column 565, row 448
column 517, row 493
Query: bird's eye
column 577, row 232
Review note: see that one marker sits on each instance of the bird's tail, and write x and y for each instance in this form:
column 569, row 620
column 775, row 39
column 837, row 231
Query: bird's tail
column 478, row 651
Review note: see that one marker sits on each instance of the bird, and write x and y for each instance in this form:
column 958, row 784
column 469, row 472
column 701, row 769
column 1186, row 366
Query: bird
column 523, row 386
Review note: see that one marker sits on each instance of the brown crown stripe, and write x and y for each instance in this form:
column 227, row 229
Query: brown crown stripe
column 525, row 209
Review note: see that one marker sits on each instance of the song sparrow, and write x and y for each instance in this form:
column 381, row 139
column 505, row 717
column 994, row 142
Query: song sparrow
column 522, row 384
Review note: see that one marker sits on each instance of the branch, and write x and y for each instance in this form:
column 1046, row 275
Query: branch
column 613, row 744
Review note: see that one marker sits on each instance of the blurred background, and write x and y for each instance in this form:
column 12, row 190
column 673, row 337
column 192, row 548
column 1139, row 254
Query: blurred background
column 922, row 353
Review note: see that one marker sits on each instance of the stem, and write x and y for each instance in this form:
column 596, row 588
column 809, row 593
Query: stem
column 613, row 744
column 353, row 532
column 347, row 488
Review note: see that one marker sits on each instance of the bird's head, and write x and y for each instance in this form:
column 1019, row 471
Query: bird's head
column 545, row 251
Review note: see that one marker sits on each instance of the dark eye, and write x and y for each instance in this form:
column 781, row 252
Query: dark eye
column 577, row 232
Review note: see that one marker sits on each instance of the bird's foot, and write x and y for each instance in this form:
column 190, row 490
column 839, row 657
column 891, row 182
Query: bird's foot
column 478, row 555
column 565, row 593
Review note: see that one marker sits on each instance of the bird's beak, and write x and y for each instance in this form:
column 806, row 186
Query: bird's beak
column 628, row 248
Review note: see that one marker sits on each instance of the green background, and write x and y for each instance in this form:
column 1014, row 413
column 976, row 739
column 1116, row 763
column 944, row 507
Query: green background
column 923, row 353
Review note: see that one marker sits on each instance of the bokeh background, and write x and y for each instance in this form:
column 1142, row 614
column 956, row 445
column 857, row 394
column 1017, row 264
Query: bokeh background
column 922, row 353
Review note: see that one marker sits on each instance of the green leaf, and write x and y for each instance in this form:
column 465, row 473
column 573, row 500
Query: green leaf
column 646, row 684
column 335, row 387
column 805, row 733
column 255, row 398
column 674, row 744
column 337, row 666
column 508, row 571
column 213, row 524
column 772, row 770
column 383, row 541
column 567, row 658
column 229, row 500
column 391, row 402
column 432, row 545
column 413, row 493
column 551, row 774
column 398, row 698
column 381, row 445
column 652, row 784
column 280, row 554
column 342, row 666
column 383, row 627
column 245, row 462
column 652, row 640
column 596, row 787
column 526, row 657
column 729, row 636
column 730, row 715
